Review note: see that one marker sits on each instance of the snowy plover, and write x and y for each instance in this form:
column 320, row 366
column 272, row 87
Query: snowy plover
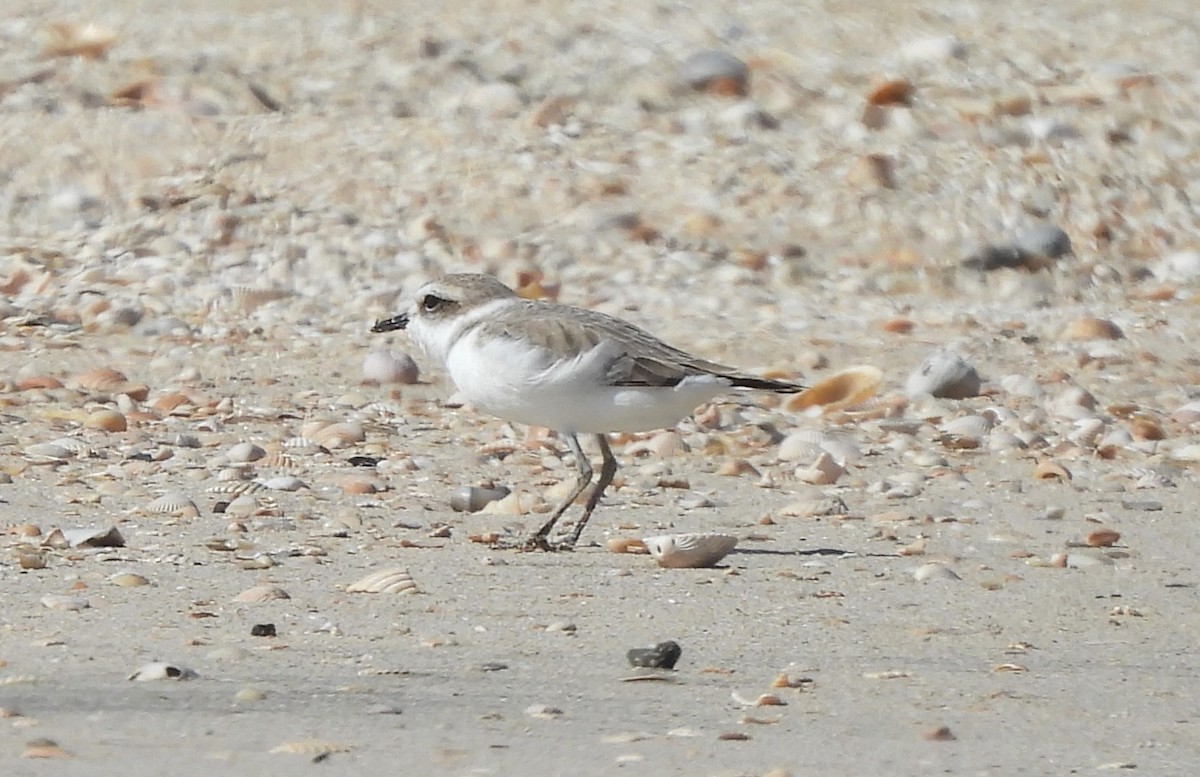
column 567, row 368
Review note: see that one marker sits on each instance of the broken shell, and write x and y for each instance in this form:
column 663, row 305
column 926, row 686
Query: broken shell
column 1103, row 538
column 174, row 504
column 129, row 580
column 311, row 747
column 361, row 484
column 1051, row 470
column 663, row 445
column 107, row 537
column 676, row 551
column 387, row 581
column 90, row 40
column 383, row 367
column 261, row 593
column 823, row 472
column 1143, row 428
column 1091, row 328
column 626, row 545
column 897, row 91
column 471, row 499
column 160, row 670
column 943, row 374
column 848, row 388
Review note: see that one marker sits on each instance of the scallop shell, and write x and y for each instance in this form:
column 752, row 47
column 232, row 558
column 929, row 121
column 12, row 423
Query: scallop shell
column 386, row 581
column 303, row 446
column 943, row 374
column 248, row 299
column 261, row 593
column 174, row 503
column 848, row 388
column 100, row 379
column 676, row 551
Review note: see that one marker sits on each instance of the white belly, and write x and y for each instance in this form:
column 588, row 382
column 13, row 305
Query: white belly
column 524, row 384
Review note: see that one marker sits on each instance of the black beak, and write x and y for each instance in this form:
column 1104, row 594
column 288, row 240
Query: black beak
column 391, row 324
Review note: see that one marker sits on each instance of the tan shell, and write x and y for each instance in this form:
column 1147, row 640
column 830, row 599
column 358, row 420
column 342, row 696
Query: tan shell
column 340, row 435
column 261, row 593
column 90, row 40
column 311, row 747
column 847, row 388
column 626, row 545
column 106, row 420
column 1091, row 328
column 1051, row 470
column 676, row 551
column 386, row 581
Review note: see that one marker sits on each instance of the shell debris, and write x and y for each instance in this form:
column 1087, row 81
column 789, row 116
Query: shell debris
column 678, row 551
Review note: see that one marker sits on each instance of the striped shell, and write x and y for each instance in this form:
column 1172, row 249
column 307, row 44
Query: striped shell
column 677, row 551
column 386, row 581
column 174, row 503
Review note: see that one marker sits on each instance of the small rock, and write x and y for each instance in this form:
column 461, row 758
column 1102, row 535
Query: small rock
column 716, row 71
column 664, row 655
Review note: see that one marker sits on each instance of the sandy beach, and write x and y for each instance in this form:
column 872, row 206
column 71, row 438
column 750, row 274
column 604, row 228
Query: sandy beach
column 987, row 569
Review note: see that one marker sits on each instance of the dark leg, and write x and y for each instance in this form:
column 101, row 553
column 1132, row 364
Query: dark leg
column 608, row 468
column 540, row 539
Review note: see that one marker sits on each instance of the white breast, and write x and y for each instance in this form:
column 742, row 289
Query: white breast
column 526, row 384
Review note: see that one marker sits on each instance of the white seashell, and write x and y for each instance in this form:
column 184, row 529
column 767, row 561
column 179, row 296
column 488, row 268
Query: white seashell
column 676, row 551
column 1005, row 441
column 283, row 483
column 389, row 367
column 303, row 446
column 244, row 452
column 938, row 48
column 1021, row 386
column 803, row 445
column 943, row 374
column 235, row 474
column 261, row 593
column 973, row 426
column 247, row 299
column 64, row 602
column 934, row 572
column 174, row 503
column 386, row 581
column 75, row 447
column 107, row 537
column 823, row 472
column 160, row 670
column 1188, row 453
column 816, row 508
column 1087, row 431
column 237, row 488
column 1073, row 403
column 47, row 451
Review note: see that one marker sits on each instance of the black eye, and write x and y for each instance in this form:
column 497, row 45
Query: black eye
column 430, row 303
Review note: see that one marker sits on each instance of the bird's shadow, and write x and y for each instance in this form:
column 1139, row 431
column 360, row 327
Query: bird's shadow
column 808, row 552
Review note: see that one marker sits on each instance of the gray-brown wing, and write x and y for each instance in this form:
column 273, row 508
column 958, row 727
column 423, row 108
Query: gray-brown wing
column 637, row 358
